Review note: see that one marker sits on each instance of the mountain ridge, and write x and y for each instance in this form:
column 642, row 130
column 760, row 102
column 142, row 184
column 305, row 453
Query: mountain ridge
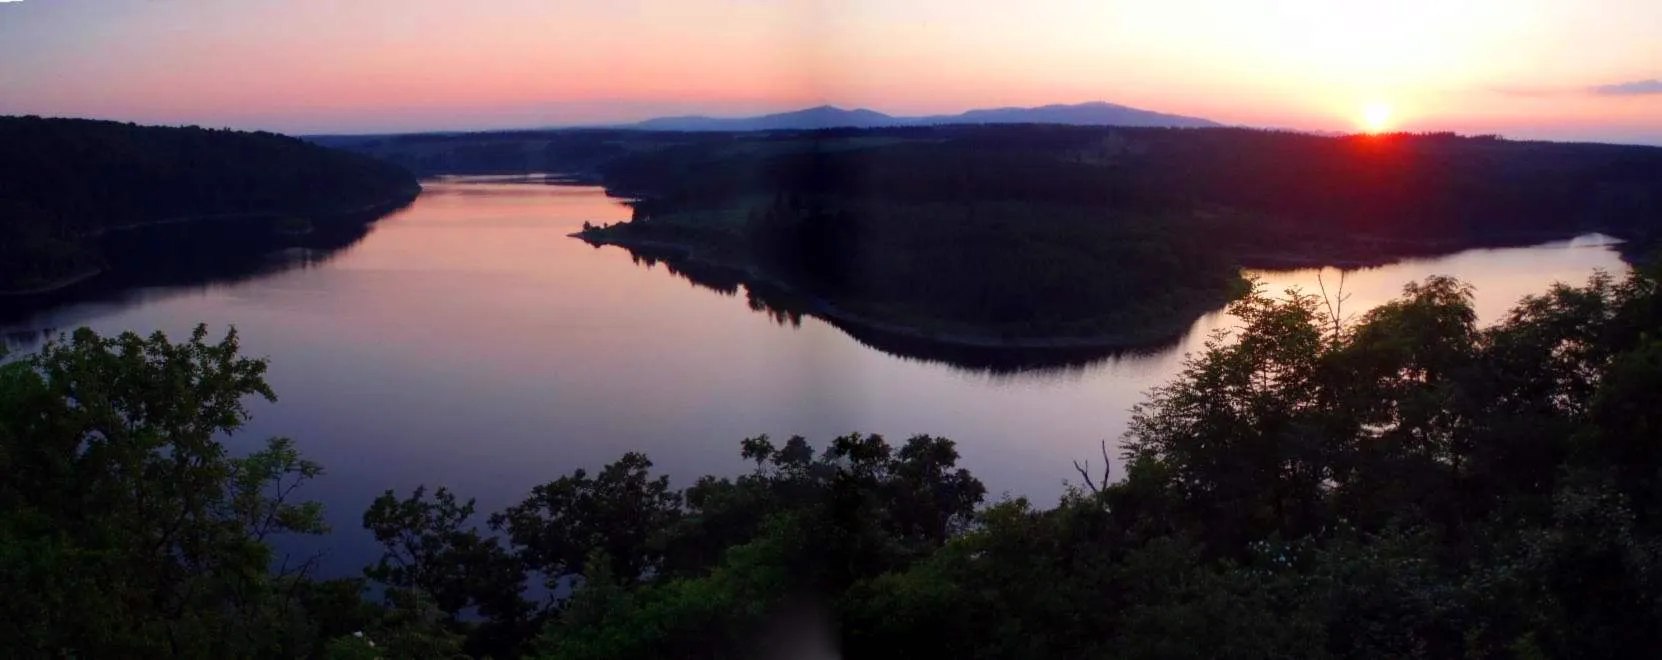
column 1092, row 113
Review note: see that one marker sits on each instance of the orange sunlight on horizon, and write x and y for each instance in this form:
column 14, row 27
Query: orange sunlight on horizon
column 399, row 65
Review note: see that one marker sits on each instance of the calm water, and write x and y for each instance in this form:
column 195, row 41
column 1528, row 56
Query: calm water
column 467, row 342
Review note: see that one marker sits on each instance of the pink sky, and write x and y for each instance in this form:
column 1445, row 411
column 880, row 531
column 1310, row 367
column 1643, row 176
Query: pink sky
column 1528, row 68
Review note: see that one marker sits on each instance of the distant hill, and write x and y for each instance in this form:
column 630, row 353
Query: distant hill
column 64, row 183
column 1096, row 113
column 824, row 116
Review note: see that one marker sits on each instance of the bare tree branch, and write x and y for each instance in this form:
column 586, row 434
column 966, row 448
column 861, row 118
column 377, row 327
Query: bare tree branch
column 1084, row 470
column 1335, row 303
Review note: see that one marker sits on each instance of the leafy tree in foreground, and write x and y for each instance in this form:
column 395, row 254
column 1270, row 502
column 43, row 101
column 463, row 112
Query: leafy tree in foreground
column 127, row 527
column 1409, row 485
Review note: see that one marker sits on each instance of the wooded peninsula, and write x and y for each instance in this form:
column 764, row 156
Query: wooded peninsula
column 1034, row 236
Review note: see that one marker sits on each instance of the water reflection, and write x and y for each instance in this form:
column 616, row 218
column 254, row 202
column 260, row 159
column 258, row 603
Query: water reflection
column 148, row 264
column 787, row 309
column 467, row 342
column 1503, row 275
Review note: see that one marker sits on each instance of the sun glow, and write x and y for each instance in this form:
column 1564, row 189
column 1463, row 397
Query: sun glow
column 1376, row 118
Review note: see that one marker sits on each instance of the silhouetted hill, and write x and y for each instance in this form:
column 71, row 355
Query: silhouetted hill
column 66, row 183
column 824, row 116
column 1096, row 113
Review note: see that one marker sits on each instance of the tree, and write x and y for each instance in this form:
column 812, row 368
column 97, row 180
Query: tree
column 127, row 528
column 621, row 511
column 1406, row 486
column 1243, row 436
column 436, row 557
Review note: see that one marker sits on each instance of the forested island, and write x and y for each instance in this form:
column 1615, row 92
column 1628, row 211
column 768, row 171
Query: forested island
column 1054, row 237
column 1404, row 484
column 80, row 196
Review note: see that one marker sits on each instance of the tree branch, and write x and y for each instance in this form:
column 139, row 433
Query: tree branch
column 1084, row 470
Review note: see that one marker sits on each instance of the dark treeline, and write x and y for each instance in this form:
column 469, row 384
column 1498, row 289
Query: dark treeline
column 65, row 182
column 1043, row 235
column 1004, row 269
column 1437, row 186
column 577, row 151
column 1056, row 233
column 1405, row 186
column 1403, row 484
column 970, row 271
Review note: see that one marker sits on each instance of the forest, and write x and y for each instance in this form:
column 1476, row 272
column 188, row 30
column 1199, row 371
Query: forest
column 1429, row 188
column 1402, row 483
column 65, row 184
column 1051, row 235
column 1008, row 273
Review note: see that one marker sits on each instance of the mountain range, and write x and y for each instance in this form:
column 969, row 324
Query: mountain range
column 826, row 116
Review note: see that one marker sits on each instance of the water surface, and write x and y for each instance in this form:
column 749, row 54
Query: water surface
column 467, row 342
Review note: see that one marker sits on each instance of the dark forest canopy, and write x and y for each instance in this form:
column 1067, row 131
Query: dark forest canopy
column 1045, row 235
column 1404, row 485
column 65, row 182
column 1421, row 187
column 963, row 272
column 1433, row 187
column 1058, row 234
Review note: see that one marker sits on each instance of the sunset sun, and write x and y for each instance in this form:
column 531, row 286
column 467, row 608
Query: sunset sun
column 1376, row 118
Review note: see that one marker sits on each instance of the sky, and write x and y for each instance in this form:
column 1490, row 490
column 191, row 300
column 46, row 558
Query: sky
column 1547, row 69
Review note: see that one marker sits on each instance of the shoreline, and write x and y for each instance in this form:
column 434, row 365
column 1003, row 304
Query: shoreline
column 54, row 286
column 825, row 310
column 387, row 203
column 1409, row 250
column 68, row 281
column 855, row 323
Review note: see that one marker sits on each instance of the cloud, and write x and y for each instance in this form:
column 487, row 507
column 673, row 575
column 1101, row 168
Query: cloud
column 1634, row 88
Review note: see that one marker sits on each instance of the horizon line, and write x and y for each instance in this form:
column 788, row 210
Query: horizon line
column 1649, row 141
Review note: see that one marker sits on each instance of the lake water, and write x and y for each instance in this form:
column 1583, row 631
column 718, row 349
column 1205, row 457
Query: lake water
column 467, row 342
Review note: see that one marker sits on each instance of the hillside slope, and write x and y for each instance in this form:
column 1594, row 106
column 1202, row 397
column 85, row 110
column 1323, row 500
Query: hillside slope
column 64, row 182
